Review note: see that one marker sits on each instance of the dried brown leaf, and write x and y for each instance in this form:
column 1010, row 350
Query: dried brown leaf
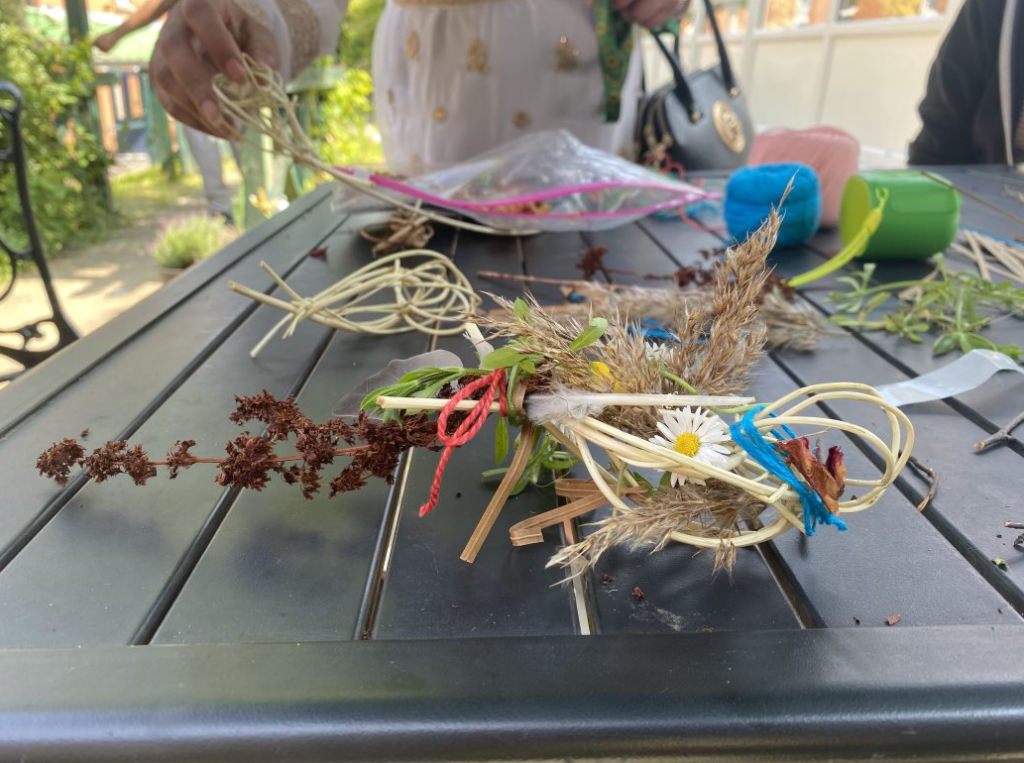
column 828, row 480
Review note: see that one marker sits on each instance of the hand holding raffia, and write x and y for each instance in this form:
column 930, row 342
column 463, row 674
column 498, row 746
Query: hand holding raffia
column 262, row 104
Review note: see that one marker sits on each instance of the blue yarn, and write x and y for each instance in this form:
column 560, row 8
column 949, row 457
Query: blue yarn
column 790, row 434
column 746, row 434
column 656, row 331
column 752, row 191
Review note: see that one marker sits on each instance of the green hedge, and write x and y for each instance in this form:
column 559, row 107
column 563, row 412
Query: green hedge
column 66, row 172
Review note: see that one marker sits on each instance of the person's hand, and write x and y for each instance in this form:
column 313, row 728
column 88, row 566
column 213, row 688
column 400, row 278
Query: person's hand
column 106, row 41
column 200, row 39
column 651, row 13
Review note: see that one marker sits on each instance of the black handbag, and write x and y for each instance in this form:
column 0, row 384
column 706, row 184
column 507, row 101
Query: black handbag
column 700, row 121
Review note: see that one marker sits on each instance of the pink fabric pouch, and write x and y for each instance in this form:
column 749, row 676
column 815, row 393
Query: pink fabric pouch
column 832, row 153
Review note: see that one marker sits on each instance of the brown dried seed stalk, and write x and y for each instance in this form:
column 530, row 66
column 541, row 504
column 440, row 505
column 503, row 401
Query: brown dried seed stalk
column 250, row 460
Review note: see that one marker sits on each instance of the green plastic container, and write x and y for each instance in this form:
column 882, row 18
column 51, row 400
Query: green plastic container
column 920, row 218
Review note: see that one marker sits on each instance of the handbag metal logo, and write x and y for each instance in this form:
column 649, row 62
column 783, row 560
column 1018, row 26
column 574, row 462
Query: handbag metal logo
column 728, row 125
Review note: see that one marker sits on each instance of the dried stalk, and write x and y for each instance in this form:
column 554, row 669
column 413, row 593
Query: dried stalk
column 501, row 495
column 607, row 399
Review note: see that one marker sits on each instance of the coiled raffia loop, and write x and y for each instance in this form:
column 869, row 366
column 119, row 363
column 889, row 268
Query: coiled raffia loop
column 417, row 290
column 740, row 471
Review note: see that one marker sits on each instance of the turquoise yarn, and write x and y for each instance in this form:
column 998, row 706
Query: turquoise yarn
column 752, row 191
column 746, row 434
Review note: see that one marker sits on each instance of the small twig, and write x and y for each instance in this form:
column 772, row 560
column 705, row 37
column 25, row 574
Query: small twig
column 933, row 481
column 493, row 275
column 1002, row 435
column 635, row 274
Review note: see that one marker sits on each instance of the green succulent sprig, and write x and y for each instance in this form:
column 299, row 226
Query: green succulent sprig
column 958, row 306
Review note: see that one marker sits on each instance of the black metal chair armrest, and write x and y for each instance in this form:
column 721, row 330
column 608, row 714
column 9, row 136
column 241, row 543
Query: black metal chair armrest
column 12, row 150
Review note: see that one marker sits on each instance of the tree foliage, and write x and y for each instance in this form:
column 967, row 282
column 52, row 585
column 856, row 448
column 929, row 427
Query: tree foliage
column 13, row 12
column 67, row 164
column 357, row 28
column 345, row 133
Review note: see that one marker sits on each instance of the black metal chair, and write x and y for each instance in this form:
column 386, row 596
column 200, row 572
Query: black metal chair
column 12, row 150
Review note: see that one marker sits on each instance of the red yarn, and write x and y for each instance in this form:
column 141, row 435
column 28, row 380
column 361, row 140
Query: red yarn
column 493, row 383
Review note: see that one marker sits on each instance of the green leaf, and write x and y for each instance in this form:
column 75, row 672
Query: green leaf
column 522, row 310
column 559, row 461
column 430, row 390
column 976, row 342
column 590, row 334
column 511, row 380
column 643, row 481
column 370, row 401
column 844, row 320
column 505, row 357
column 521, row 485
column 500, row 440
column 416, row 374
column 944, row 344
column 877, row 301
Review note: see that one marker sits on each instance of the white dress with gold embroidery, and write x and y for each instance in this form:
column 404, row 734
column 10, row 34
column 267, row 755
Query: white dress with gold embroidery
column 455, row 78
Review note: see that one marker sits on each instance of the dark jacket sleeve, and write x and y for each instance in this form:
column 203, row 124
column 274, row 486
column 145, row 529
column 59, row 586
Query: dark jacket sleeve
column 963, row 70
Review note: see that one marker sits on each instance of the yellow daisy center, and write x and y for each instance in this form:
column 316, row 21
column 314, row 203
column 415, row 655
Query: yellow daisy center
column 688, row 444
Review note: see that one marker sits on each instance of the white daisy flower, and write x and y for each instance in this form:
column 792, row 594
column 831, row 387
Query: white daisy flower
column 656, row 351
column 697, row 434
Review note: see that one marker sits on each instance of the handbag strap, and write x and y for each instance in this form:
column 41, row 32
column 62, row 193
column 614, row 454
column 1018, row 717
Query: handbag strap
column 682, row 87
column 723, row 54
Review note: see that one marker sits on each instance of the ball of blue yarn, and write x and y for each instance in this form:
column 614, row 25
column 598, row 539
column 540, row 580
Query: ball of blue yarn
column 752, row 191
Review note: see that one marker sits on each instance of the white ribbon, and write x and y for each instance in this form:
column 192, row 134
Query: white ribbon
column 962, row 375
